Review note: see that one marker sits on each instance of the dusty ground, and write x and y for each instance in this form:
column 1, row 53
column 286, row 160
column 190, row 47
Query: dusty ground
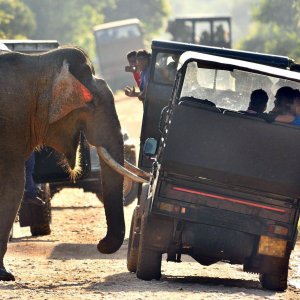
column 67, row 265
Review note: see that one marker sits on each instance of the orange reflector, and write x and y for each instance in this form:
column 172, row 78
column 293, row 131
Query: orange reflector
column 272, row 246
column 281, row 230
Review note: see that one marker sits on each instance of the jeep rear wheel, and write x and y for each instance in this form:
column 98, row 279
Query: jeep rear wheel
column 133, row 243
column 130, row 191
column 44, row 229
column 275, row 282
column 149, row 260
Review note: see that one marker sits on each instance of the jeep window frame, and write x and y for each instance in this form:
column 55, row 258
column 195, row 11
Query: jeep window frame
column 222, row 63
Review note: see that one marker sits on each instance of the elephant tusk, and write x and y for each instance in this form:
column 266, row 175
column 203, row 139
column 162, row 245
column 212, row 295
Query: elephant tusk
column 103, row 153
column 132, row 168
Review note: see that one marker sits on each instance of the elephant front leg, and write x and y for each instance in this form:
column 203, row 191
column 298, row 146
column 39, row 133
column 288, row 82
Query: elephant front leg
column 12, row 187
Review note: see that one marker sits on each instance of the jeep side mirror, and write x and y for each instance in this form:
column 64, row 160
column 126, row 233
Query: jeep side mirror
column 150, row 147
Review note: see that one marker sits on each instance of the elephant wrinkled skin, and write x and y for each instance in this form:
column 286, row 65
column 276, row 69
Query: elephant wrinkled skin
column 48, row 99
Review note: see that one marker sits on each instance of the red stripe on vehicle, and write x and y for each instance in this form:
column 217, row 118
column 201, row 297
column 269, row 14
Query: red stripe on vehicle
column 228, row 199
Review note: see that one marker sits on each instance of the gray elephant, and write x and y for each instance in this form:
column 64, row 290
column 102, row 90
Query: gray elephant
column 48, row 99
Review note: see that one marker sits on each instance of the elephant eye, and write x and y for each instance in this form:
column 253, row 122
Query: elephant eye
column 91, row 105
column 82, row 73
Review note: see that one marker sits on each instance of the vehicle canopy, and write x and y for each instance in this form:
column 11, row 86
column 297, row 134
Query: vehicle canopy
column 229, row 63
column 215, row 76
column 205, row 134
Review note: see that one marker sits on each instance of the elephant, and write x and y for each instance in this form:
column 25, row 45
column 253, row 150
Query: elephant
column 50, row 99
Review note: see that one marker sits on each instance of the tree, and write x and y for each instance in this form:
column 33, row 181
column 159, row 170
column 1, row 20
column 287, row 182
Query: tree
column 275, row 28
column 16, row 19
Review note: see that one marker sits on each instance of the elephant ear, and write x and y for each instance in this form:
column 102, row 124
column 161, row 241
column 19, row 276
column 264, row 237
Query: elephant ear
column 68, row 94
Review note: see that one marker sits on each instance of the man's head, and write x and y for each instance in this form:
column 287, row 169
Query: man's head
column 131, row 57
column 142, row 59
column 258, row 101
column 284, row 98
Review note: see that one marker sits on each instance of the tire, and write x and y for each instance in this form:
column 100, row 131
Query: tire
column 44, row 229
column 149, row 260
column 133, row 243
column 130, row 191
column 274, row 282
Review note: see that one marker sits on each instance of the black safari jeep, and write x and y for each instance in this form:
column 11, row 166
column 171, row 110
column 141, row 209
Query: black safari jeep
column 225, row 185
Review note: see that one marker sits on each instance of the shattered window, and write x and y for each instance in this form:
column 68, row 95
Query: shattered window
column 229, row 89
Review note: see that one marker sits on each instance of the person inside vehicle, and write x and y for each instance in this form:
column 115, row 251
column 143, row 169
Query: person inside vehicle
column 131, row 58
column 258, row 103
column 143, row 59
column 284, row 99
column 168, row 73
column 220, row 35
column 293, row 115
column 205, row 38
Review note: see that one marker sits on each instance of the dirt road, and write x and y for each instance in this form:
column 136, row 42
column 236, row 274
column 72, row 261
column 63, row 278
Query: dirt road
column 67, row 265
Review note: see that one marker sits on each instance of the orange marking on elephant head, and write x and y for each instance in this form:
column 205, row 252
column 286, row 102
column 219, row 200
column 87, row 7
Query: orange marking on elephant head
column 83, row 92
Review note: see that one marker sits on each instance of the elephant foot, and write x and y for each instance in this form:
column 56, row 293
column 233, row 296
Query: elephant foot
column 5, row 275
column 110, row 245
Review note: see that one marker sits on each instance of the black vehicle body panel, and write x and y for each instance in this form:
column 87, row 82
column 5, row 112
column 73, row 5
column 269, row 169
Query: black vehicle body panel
column 235, row 139
column 222, row 180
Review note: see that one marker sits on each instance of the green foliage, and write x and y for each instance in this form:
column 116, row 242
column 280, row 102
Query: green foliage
column 153, row 13
column 16, row 19
column 275, row 28
column 275, row 12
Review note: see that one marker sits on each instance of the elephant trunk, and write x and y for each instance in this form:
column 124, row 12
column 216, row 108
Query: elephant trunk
column 112, row 193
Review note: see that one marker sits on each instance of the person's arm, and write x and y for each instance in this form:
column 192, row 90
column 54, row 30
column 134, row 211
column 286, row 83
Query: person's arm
column 285, row 118
column 130, row 91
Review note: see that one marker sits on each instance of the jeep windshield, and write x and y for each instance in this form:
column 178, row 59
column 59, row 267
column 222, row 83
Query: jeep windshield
column 229, row 85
